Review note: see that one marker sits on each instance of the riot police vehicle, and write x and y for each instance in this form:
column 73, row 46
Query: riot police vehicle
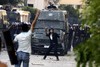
column 56, row 19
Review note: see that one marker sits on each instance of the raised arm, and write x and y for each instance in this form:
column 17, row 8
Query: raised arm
column 47, row 31
column 35, row 19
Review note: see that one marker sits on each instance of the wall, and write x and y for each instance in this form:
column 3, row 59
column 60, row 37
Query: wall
column 71, row 2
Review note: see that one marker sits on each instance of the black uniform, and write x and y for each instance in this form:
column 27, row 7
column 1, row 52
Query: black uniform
column 0, row 43
column 70, row 35
column 53, row 44
column 52, row 6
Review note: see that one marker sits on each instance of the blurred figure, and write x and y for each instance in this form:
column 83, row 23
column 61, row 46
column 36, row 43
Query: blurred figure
column 0, row 43
column 51, row 6
column 62, row 38
column 76, row 35
column 1, row 63
column 53, row 42
column 70, row 35
column 1, row 6
column 87, row 33
column 24, row 43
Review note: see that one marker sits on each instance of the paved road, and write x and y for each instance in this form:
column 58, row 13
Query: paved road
column 37, row 61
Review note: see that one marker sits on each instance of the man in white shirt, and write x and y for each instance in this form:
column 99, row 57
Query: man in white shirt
column 24, row 43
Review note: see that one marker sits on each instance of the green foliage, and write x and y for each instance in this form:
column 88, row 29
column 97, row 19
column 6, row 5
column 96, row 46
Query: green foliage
column 73, row 13
column 70, row 9
column 25, row 2
column 89, row 50
column 31, row 10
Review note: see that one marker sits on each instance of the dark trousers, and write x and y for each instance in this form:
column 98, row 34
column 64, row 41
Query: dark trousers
column 69, row 44
column 50, row 48
column 0, row 43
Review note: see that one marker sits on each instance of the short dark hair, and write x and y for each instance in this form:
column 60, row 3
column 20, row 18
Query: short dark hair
column 24, row 27
column 51, row 29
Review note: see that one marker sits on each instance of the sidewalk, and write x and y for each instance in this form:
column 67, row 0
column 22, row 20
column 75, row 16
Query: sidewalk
column 37, row 61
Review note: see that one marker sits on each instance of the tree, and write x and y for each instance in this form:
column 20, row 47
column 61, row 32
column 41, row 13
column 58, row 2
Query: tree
column 25, row 2
column 56, row 1
column 72, row 13
column 31, row 10
column 70, row 9
column 89, row 50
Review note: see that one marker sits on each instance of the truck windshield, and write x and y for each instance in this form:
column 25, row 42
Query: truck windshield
column 49, row 24
column 40, row 33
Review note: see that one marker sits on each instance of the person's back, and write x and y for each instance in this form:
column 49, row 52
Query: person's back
column 24, row 43
column 1, row 63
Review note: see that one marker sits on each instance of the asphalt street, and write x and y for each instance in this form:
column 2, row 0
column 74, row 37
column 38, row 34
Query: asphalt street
column 37, row 60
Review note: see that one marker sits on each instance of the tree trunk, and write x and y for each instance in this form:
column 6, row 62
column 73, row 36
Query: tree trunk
column 25, row 3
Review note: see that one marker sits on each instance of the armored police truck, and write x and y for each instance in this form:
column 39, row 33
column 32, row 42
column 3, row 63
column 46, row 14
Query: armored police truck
column 56, row 19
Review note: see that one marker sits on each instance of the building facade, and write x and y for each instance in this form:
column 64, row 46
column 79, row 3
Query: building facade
column 71, row 2
column 39, row 4
column 42, row 4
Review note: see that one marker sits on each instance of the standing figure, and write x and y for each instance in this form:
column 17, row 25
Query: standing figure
column 51, row 6
column 53, row 42
column 0, row 43
column 1, row 63
column 70, row 37
column 24, row 43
